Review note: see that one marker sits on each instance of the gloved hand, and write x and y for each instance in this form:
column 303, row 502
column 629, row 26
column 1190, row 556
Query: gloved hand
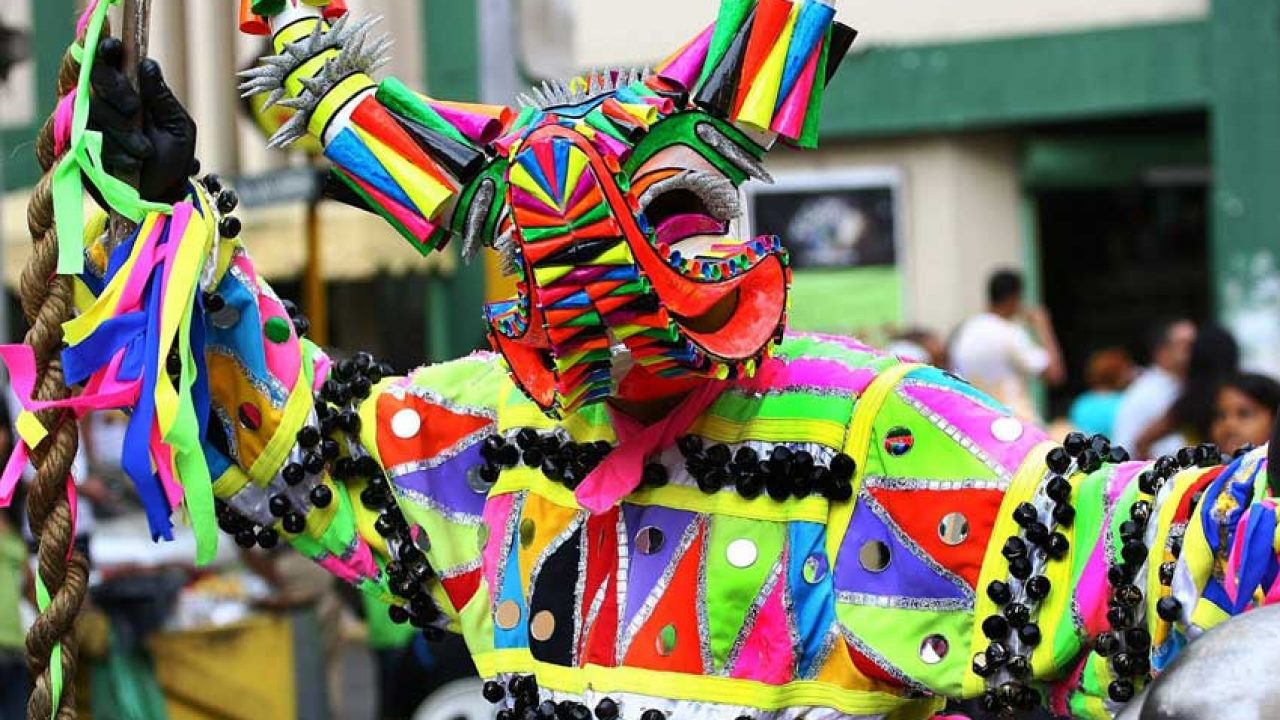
column 146, row 132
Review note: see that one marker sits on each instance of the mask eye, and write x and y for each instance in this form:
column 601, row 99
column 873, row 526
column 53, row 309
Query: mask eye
column 705, row 200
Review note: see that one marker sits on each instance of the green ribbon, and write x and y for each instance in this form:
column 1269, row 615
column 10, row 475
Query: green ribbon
column 55, row 658
column 84, row 159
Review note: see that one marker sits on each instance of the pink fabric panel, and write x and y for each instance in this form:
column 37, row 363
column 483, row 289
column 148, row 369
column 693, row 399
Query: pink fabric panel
column 975, row 419
column 496, row 513
column 767, row 655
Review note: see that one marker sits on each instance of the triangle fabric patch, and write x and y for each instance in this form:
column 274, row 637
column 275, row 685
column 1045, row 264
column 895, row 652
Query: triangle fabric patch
column 878, row 560
column 920, row 513
column 671, row 638
column 648, row 562
column 447, row 429
column 599, row 619
column 766, row 654
column 742, row 556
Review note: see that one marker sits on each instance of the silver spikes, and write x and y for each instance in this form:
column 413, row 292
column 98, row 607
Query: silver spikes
column 357, row 52
column 477, row 214
column 732, row 151
column 508, row 255
column 718, row 194
column 555, row 93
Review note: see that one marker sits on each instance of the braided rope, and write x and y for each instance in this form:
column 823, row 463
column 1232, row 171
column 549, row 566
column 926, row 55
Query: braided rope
column 47, row 303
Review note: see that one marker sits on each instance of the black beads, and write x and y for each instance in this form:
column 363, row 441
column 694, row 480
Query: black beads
column 1120, row 690
column 493, row 691
column 655, row 475
column 227, row 201
column 294, row 523
column 999, row 592
column 321, row 496
column 995, row 627
column 1058, row 460
column 1025, row 514
column 1038, row 587
column 1169, row 609
column 279, row 505
column 229, row 227
column 606, row 709
column 1106, row 644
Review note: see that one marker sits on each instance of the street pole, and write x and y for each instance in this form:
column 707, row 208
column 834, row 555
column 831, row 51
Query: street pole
column 314, row 299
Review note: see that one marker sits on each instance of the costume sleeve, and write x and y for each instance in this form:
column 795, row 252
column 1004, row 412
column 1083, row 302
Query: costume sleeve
column 1160, row 553
column 233, row 412
column 399, row 154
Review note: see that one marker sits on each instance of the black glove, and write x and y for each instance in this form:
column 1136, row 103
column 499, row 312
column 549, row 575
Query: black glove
column 160, row 149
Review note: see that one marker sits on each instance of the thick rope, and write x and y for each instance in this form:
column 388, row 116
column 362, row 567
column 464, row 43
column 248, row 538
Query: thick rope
column 47, row 303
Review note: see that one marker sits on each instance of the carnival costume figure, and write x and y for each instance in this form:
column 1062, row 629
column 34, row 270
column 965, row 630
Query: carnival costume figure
column 651, row 501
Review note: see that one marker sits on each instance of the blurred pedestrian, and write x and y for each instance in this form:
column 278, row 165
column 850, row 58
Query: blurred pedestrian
column 919, row 345
column 1215, row 357
column 1245, row 412
column 15, row 576
column 1108, row 373
column 1150, row 396
column 994, row 351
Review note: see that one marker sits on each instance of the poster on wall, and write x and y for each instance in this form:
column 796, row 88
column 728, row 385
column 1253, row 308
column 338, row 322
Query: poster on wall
column 842, row 231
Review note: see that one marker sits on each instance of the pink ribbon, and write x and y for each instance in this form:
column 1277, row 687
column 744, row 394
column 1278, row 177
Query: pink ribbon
column 619, row 475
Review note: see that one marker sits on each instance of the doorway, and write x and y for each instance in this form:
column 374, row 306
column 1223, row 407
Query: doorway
column 1114, row 261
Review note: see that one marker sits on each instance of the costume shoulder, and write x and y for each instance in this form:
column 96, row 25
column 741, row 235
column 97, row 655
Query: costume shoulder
column 935, row 457
column 428, row 430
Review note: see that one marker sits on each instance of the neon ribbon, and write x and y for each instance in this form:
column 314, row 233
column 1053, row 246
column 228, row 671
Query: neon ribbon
column 619, row 474
column 84, row 156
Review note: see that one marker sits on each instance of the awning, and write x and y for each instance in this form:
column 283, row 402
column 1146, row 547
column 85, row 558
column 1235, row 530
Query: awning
column 354, row 245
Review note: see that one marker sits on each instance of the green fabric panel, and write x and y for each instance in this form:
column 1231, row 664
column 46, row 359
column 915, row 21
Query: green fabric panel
column 736, row 589
column 451, row 544
column 1120, row 514
column 812, row 346
column 897, row 635
column 785, row 406
column 934, row 455
column 383, row 633
column 1090, row 503
column 341, row 532
column 475, row 381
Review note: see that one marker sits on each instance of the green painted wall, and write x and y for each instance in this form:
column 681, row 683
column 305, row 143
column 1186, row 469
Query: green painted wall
column 1245, row 136
column 963, row 86
column 452, row 59
column 53, row 28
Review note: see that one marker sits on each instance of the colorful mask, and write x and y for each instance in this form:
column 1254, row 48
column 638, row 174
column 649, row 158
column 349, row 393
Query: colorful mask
column 610, row 197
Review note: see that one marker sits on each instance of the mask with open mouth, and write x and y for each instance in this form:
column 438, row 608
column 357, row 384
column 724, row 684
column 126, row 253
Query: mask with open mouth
column 613, row 205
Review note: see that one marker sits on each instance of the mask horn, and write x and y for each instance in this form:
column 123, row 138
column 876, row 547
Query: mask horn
column 764, row 65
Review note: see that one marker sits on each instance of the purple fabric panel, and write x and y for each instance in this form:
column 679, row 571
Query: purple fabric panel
column 906, row 575
column 645, row 570
column 446, row 484
column 974, row 420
